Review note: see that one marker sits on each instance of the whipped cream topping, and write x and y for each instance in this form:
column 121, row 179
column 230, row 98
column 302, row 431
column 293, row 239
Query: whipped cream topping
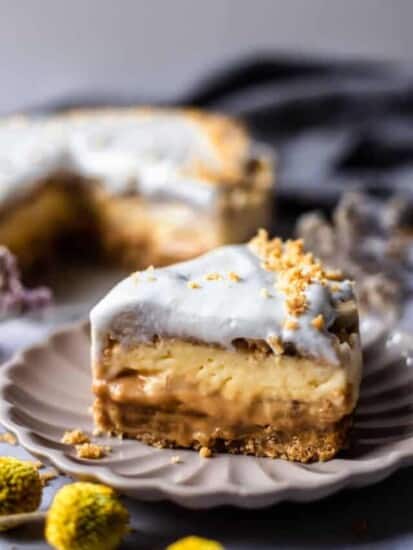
column 216, row 299
column 152, row 153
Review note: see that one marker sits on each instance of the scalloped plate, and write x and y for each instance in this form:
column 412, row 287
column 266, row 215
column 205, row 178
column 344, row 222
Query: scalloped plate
column 46, row 390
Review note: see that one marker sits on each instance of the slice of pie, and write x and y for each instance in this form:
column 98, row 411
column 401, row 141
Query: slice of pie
column 252, row 349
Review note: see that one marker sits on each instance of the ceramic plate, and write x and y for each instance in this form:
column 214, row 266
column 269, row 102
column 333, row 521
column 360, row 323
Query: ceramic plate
column 46, row 390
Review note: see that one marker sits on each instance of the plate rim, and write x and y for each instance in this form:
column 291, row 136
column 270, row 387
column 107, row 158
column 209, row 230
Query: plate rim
column 358, row 473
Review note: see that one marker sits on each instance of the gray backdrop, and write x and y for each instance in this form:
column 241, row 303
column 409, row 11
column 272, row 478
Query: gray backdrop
column 158, row 48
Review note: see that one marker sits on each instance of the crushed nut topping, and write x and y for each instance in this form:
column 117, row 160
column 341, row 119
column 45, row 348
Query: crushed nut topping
column 213, row 276
column 291, row 324
column 193, row 285
column 75, row 437
column 45, row 477
column 92, row 451
column 232, row 276
column 318, row 322
column 295, row 268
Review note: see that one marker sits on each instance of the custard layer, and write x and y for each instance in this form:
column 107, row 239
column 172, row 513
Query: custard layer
column 231, row 387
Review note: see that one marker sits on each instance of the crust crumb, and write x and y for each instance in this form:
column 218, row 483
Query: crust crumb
column 295, row 268
column 193, row 285
column 75, row 437
column 264, row 293
column 205, row 452
column 48, row 476
column 318, row 322
column 9, row 438
column 92, row 451
column 176, row 459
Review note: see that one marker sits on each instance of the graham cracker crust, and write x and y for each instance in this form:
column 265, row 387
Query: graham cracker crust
column 173, row 430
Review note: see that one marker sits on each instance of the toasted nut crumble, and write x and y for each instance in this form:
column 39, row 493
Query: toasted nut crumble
column 193, row 284
column 75, row 437
column 318, row 322
column 295, row 268
column 232, row 276
column 291, row 324
column 92, row 451
column 205, row 452
column 213, row 276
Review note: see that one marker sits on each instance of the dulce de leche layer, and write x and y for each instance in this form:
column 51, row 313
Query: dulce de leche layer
column 238, row 387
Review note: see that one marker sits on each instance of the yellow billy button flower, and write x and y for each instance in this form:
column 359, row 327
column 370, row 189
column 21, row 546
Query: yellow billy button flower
column 195, row 543
column 86, row 516
column 20, row 486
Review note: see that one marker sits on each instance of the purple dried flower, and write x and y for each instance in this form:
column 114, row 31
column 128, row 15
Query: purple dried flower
column 15, row 299
column 365, row 240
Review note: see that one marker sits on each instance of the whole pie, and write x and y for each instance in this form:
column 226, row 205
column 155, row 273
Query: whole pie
column 250, row 349
column 141, row 185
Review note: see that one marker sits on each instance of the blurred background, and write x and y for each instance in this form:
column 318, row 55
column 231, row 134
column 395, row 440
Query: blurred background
column 157, row 50
column 326, row 82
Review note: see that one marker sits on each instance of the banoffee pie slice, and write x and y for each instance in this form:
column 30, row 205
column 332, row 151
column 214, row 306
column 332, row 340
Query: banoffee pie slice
column 250, row 349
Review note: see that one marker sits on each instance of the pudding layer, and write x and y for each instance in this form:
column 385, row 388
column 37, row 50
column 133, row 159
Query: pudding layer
column 187, row 394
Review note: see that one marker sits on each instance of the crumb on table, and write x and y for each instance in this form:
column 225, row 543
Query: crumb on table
column 48, row 476
column 9, row 438
column 176, row 459
column 205, row 452
column 92, row 451
column 75, row 437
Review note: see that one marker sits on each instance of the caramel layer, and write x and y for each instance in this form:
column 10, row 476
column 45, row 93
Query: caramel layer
column 231, row 385
column 177, row 429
